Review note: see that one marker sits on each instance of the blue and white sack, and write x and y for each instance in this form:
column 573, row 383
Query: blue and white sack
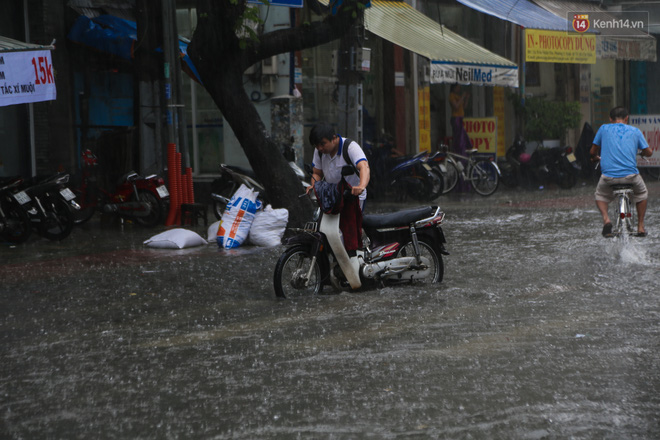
column 237, row 218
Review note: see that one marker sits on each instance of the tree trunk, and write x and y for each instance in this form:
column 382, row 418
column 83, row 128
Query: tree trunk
column 221, row 57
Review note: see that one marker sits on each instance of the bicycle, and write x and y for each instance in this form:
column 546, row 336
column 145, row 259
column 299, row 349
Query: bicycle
column 625, row 214
column 482, row 173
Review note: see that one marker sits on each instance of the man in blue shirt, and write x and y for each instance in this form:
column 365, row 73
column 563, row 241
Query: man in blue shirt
column 616, row 146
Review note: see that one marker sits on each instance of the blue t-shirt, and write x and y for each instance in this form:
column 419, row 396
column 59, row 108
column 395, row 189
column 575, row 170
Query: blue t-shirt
column 618, row 149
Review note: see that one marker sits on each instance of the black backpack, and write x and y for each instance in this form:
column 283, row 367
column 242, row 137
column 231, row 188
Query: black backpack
column 347, row 159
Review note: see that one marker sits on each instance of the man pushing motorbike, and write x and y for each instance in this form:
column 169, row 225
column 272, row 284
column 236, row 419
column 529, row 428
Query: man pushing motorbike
column 616, row 146
column 330, row 158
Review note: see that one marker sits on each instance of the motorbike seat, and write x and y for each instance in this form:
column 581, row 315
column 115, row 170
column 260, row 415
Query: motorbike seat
column 399, row 218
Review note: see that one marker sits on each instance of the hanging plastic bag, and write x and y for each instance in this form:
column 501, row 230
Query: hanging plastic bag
column 268, row 227
column 237, row 218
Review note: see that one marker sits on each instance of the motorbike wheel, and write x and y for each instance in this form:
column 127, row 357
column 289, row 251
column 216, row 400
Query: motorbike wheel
column 566, row 179
column 426, row 249
column 433, row 186
column 87, row 208
column 484, row 178
column 450, row 176
column 17, row 227
column 291, row 271
column 155, row 209
column 59, row 220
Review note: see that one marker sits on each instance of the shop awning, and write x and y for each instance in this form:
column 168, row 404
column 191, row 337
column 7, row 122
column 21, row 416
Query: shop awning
column 453, row 58
column 636, row 45
column 521, row 12
column 26, row 72
column 11, row 45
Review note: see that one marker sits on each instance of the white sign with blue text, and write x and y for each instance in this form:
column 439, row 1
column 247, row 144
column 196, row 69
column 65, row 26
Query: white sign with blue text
column 26, row 77
column 474, row 74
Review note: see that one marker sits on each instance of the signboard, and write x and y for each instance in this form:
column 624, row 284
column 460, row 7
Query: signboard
column 483, row 133
column 650, row 127
column 481, row 75
column 26, row 77
column 640, row 49
column 287, row 3
column 559, row 47
column 424, row 102
column 498, row 111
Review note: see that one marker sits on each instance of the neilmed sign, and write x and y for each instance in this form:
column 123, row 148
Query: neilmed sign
column 474, row 74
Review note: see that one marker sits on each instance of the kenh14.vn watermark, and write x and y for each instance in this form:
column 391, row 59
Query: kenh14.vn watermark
column 628, row 23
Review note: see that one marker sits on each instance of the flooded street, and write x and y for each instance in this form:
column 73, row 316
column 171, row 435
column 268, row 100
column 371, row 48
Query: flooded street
column 541, row 329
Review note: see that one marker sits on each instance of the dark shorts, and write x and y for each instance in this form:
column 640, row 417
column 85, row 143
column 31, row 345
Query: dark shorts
column 604, row 191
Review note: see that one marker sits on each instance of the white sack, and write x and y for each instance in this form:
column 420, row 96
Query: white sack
column 212, row 231
column 176, row 239
column 268, row 227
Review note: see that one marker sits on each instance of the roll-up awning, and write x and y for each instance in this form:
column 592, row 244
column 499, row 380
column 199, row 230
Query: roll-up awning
column 453, row 58
column 26, row 72
column 635, row 45
column 521, row 12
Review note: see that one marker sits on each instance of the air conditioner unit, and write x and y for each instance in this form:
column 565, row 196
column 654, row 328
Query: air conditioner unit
column 269, row 66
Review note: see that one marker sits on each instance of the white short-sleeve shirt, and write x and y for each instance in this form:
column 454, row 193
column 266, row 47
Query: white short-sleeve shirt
column 332, row 165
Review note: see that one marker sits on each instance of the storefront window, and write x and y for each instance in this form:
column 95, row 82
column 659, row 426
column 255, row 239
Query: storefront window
column 204, row 120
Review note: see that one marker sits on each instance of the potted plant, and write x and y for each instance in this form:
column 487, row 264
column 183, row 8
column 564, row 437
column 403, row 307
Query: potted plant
column 547, row 120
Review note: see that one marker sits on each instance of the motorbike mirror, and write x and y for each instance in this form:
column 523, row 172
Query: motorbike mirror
column 347, row 170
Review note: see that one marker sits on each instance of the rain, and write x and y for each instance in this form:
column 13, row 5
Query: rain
column 540, row 329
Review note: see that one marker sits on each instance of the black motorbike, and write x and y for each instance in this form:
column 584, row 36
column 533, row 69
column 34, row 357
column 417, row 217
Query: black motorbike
column 398, row 247
column 15, row 225
column 553, row 165
column 232, row 177
column 400, row 177
column 48, row 202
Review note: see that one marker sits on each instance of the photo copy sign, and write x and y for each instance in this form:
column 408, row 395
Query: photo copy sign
column 26, row 77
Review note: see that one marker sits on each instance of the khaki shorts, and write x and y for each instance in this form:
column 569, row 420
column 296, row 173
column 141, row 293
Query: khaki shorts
column 604, row 191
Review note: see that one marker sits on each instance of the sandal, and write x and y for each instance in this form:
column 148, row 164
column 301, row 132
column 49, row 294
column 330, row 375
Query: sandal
column 607, row 230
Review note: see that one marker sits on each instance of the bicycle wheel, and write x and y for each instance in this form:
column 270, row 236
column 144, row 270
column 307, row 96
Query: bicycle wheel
column 291, row 273
column 450, row 176
column 484, row 177
column 624, row 216
column 630, row 215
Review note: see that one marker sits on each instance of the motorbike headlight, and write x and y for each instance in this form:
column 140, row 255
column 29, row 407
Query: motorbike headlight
column 317, row 214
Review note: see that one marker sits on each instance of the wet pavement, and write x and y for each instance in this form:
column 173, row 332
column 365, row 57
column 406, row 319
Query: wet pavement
column 541, row 329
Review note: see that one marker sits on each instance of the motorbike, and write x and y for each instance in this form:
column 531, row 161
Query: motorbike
column 15, row 226
column 232, row 177
column 49, row 204
column 400, row 247
column 143, row 199
column 400, row 177
column 556, row 165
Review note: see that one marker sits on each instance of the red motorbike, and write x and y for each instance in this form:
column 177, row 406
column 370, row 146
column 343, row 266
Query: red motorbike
column 143, row 199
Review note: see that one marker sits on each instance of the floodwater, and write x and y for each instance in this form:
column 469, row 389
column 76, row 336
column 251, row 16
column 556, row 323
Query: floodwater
column 541, row 329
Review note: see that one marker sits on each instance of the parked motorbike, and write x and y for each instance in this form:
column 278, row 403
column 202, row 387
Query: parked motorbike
column 143, row 199
column 400, row 177
column 399, row 247
column 232, row 177
column 15, row 226
column 556, row 165
column 49, row 204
